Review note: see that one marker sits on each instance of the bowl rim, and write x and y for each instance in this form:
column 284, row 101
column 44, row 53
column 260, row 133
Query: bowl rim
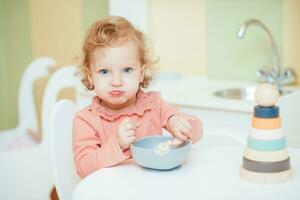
column 167, row 136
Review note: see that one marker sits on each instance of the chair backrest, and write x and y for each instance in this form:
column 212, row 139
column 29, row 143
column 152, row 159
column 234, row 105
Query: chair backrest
column 27, row 110
column 289, row 111
column 65, row 176
column 60, row 79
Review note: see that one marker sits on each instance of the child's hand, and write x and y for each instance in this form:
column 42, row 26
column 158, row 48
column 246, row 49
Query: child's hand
column 126, row 133
column 180, row 126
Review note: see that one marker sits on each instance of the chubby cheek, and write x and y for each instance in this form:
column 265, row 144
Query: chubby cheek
column 100, row 91
column 100, row 87
column 133, row 90
column 132, row 84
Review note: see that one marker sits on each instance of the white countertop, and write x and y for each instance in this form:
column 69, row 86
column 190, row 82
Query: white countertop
column 197, row 91
column 209, row 173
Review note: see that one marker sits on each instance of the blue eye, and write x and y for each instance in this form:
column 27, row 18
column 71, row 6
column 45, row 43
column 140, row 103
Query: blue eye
column 128, row 69
column 103, row 71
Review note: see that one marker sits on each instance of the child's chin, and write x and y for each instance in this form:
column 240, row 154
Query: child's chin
column 117, row 102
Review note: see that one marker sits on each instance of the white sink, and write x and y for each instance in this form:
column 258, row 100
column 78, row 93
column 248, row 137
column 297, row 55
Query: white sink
column 246, row 93
column 237, row 93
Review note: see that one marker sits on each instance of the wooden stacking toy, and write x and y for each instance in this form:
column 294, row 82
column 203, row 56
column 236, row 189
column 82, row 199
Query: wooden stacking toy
column 266, row 159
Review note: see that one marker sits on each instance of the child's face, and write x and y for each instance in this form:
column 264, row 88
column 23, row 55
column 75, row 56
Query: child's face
column 116, row 73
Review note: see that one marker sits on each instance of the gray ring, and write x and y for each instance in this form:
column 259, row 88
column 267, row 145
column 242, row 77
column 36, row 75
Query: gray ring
column 266, row 167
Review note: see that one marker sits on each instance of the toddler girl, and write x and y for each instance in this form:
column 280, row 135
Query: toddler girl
column 117, row 66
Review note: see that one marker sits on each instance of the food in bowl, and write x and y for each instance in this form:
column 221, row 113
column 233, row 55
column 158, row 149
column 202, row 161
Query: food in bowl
column 143, row 153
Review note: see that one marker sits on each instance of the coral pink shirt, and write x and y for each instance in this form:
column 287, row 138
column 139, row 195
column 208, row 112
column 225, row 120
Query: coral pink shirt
column 95, row 128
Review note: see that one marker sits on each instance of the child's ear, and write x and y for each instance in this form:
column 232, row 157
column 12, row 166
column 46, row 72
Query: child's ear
column 142, row 73
column 90, row 80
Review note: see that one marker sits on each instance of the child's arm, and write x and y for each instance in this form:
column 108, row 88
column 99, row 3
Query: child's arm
column 89, row 154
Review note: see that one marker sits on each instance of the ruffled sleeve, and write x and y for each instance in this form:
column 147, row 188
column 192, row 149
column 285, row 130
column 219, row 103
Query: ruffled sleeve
column 89, row 154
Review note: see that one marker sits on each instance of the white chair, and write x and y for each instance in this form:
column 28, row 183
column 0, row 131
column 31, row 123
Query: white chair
column 27, row 173
column 65, row 175
column 65, row 77
column 18, row 137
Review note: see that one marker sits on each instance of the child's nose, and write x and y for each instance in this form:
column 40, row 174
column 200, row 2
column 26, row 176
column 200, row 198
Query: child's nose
column 116, row 80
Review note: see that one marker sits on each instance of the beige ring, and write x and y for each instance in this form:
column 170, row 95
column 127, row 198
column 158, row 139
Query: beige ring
column 257, row 177
column 266, row 123
column 266, row 156
column 266, row 134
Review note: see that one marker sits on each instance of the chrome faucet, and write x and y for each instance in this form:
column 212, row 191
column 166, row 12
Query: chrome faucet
column 276, row 75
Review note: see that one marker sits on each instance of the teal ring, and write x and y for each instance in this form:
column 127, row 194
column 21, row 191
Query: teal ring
column 266, row 145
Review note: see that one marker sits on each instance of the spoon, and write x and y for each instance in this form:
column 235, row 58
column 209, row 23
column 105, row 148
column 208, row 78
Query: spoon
column 164, row 147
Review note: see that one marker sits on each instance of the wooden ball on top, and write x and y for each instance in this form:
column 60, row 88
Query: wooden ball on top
column 266, row 95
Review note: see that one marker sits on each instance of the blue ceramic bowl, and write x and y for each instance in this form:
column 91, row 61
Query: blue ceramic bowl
column 143, row 153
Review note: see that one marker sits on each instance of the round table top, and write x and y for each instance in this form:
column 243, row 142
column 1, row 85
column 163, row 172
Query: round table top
column 209, row 173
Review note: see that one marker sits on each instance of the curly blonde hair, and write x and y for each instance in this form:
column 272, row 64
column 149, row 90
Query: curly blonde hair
column 111, row 31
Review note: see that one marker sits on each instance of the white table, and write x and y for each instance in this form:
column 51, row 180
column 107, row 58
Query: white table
column 209, row 173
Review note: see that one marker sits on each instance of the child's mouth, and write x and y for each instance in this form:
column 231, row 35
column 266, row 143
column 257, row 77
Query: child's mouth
column 116, row 93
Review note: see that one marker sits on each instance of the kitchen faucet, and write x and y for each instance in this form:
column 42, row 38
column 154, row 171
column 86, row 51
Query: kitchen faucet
column 276, row 75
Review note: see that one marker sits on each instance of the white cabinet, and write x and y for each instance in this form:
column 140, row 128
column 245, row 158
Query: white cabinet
column 223, row 116
column 223, row 126
column 236, row 123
